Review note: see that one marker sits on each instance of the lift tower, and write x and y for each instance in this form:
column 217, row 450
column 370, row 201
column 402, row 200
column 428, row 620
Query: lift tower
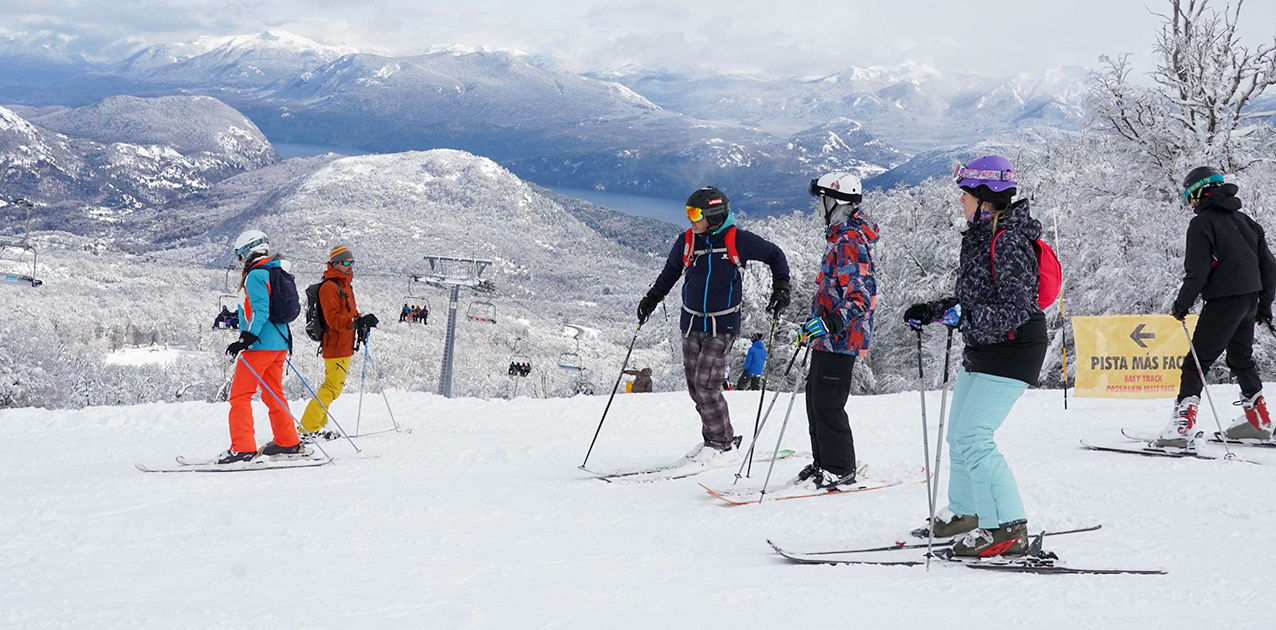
column 454, row 274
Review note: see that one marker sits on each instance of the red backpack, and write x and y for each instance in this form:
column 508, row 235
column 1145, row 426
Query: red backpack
column 1049, row 272
column 689, row 252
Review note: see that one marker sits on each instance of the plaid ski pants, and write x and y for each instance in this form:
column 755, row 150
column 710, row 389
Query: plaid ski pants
column 704, row 358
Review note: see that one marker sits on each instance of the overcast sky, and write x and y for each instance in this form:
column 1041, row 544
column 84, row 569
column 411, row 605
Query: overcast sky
column 990, row 37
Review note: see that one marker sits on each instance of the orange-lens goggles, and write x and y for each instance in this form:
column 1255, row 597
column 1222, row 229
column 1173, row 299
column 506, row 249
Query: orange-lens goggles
column 694, row 213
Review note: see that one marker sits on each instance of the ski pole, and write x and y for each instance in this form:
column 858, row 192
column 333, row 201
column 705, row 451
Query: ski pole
column 615, row 387
column 921, row 392
column 774, row 397
column 376, row 371
column 939, row 445
column 757, row 420
column 325, row 407
column 1062, row 316
column 363, row 379
column 1206, row 388
column 240, row 357
column 783, row 426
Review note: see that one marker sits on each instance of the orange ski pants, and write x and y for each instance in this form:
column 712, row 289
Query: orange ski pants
column 269, row 365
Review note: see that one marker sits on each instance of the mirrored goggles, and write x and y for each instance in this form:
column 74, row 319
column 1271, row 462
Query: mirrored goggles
column 344, row 263
column 961, row 172
column 694, row 213
column 242, row 251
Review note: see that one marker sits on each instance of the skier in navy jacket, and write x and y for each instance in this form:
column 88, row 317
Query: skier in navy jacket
column 709, row 257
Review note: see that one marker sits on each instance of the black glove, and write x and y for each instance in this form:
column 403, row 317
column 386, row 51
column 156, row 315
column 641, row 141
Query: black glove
column 919, row 314
column 1179, row 314
column 246, row 339
column 365, row 322
column 1265, row 315
column 779, row 296
column 647, row 305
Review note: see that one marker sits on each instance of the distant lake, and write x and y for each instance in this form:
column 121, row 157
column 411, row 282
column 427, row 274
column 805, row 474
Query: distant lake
column 291, row 150
column 671, row 210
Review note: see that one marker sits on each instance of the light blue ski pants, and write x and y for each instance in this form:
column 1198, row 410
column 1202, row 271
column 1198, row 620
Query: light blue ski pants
column 980, row 482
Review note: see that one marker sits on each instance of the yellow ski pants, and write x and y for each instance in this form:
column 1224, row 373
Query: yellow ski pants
column 334, row 380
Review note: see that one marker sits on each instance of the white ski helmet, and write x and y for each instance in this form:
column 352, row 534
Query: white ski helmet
column 836, row 189
column 251, row 242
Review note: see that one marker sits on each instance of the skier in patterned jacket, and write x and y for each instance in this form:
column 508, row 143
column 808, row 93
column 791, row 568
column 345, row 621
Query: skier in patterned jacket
column 839, row 329
column 1005, row 333
column 710, row 257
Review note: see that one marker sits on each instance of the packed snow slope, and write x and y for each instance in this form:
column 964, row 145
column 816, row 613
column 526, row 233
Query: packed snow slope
column 479, row 518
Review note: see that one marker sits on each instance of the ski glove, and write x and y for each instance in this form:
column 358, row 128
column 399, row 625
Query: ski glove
column 647, row 305
column 1265, row 315
column 817, row 327
column 366, row 321
column 1179, row 315
column 779, row 296
column 246, row 340
column 947, row 310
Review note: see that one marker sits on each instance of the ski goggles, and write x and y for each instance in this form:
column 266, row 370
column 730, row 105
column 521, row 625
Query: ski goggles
column 816, row 190
column 1208, row 181
column 344, row 263
column 249, row 247
column 961, row 172
column 694, row 213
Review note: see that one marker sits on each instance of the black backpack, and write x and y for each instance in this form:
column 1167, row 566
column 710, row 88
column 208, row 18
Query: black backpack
column 315, row 324
column 284, row 303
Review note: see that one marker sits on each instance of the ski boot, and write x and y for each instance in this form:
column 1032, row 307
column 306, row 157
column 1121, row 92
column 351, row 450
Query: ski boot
column 811, row 470
column 275, row 451
column 831, row 481
column 948, row 525
column 326, row 436
column 705, row 452
column 1256, row 425
column 232, row 457
column 1181, row 432
column 1008, row 539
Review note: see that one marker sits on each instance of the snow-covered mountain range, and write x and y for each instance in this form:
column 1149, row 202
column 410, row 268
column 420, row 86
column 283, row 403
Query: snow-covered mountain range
column 632, row 131
column 94, row 165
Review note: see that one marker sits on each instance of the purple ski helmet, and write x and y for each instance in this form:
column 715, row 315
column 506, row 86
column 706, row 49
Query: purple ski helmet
column 993, row 171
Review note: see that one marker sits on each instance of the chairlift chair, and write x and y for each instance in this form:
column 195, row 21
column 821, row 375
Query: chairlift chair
column 417, row 300
column 230, row 303
column 519, row 357
column 481, row 311
column 23, row 247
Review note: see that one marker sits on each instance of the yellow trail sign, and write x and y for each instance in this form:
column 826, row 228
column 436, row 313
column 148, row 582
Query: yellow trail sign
column 1129, row 356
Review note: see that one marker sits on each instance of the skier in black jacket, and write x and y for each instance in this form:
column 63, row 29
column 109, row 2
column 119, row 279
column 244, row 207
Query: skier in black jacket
column 710, row 257
column 1228, row 264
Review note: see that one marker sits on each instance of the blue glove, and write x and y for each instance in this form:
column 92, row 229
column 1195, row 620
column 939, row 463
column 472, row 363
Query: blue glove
column 952, row 316
column 812, row 329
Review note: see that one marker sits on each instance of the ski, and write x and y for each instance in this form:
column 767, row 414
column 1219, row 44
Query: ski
column 1148, row 450
column 939, row 542
column 677, row 470
column 186, row 464
column 746, row 496
column 1036, row 561
column 1217, row 438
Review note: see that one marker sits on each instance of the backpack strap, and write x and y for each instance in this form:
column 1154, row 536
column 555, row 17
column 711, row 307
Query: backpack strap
column 690, row 253
column 992, row 255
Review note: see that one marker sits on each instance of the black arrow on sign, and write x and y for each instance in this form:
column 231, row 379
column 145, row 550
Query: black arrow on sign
column 1138, row 336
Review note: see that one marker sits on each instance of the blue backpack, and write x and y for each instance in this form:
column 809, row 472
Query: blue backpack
column 285, row 304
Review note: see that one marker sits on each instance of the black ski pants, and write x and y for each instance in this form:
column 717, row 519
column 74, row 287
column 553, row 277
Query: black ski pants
column 748, row 382
column 828, row 385
column 1225, row 323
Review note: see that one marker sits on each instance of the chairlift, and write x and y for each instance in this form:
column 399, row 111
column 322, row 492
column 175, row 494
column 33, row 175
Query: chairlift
column 227, row 312
column 572, row 360
column 411, row 300
column 21, row 247
column 520, row 363
column 582, row 384
column 481, row 311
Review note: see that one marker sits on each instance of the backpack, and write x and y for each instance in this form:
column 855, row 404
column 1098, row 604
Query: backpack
column 284, row 303
column 316, row 327
column 689, row 252
column 1049, row 271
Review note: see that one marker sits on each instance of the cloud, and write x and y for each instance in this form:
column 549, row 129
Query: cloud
column 991, row 37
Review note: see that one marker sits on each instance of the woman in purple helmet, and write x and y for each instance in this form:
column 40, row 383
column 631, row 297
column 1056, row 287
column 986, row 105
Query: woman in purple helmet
column 1005, row 333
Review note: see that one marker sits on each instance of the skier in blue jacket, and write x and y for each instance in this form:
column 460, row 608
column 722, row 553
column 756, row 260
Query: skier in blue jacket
column 710, row 257
column 754, row 361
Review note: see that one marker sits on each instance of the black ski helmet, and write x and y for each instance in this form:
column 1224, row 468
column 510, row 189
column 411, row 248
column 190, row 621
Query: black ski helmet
column 757, row 336
column 713, row 203
column 1201, row 178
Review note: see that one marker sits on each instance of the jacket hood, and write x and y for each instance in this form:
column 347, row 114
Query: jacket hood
column 759, row 344
column 341, row 278
column 1223, row 199
column 854, row 223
